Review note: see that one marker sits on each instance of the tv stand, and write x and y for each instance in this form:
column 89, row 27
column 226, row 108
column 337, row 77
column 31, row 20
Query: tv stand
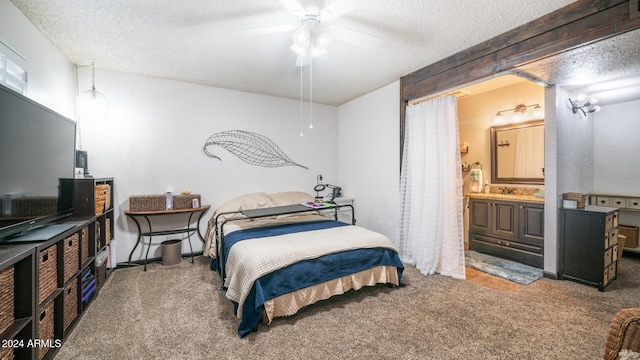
column 47, row 285
column 39, row 233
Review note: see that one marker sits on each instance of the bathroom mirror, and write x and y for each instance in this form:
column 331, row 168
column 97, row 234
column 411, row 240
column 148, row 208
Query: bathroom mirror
column 517, row 153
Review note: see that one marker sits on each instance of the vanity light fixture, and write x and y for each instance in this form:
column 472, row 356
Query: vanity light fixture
column 518, row 113
column 586, row 107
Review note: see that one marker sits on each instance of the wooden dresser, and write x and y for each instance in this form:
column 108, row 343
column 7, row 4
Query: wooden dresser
column 589, row 245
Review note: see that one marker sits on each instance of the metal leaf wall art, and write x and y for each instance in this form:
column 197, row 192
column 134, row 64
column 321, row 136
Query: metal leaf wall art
column 252, row 148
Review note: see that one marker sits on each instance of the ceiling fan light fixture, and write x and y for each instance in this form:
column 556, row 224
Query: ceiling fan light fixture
column 323, row 40
column 302, row 37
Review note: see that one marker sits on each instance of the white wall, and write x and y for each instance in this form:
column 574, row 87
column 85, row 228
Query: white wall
column 369, row 157
column 50, row 73
column 152, row 140
column 616, row 147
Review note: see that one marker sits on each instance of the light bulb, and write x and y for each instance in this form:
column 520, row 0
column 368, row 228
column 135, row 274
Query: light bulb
column 537, row 112
column 517, row 117
column 324, row 40
column 302, row 37
column 581, row 97
column 595, row 108
column 92, row 105
column 497, row 119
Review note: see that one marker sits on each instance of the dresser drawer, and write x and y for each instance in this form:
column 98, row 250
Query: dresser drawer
column 603, row 201
column 607, row 257
column 611, row 273
column 613, row 237
column 611, row 221
column 619, row 202
column 633, row 203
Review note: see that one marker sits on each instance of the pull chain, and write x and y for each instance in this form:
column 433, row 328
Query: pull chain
column 310, row 91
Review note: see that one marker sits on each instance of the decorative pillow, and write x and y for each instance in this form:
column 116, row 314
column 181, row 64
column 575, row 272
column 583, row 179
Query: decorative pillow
column 626, row 354
column 245, row 202
column 290, row 198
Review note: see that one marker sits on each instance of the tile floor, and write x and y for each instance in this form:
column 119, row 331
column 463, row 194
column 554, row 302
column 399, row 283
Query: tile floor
column 491, row 282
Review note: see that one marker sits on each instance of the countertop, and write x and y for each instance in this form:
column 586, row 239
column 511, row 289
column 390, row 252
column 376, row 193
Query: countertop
column 507, row 197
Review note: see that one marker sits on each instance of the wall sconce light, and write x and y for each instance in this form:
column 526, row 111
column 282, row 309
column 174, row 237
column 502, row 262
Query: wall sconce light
column 518, row 113
column 92, row 104
column 586, row 107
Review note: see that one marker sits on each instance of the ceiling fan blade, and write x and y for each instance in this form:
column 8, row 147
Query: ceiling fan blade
column 294, row 7
column 339, row 8
column 267, row 29
column 368, row 42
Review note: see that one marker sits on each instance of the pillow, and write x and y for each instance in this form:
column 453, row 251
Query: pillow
column 245, row 202
column 626, row 354
column 290, row 198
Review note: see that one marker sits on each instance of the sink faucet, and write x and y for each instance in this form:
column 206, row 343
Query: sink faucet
column 505, row 190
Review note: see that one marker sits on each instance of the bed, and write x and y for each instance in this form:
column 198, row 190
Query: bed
column 284, row 258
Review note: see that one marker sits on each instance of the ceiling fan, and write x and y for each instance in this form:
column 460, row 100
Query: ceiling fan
column 311, row 35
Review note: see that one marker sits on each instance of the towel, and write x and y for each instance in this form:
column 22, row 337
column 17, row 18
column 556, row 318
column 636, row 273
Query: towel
column 476, row 180
column 476, row 174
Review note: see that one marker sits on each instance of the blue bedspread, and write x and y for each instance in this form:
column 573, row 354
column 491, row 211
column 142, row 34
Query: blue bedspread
column 304, row 273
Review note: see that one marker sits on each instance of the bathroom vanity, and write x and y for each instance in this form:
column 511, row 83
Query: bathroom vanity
column 507, row 226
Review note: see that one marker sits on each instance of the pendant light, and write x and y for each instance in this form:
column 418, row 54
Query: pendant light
column 92, row 104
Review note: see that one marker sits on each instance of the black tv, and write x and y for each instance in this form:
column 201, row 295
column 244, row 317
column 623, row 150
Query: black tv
column 37, row 150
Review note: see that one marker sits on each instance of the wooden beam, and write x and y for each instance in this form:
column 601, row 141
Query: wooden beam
column 578, row 24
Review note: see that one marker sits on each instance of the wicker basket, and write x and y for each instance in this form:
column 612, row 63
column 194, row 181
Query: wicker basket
column 107, row 230
column 70, row 303
column 631, row 233
column 84, row 239
column 104, row 191
column 48, row 274
column 6, row 353
column 185, row 201
column 103, row 198
column 150, row 202
column 45, row 331
column 578, row 197
column 101, row 274
column 29, row 206
column 6, row 298
column 71, row 254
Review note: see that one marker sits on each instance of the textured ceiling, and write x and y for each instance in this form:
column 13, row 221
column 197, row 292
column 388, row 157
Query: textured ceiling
column 608, row 69
column 199, row 41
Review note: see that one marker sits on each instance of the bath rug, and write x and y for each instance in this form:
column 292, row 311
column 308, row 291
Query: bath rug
column 506, row 269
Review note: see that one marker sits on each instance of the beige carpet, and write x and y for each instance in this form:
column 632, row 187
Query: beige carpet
column 178, row 312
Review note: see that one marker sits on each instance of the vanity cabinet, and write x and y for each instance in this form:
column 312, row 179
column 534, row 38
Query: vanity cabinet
column 508, row 229
column 589, row 245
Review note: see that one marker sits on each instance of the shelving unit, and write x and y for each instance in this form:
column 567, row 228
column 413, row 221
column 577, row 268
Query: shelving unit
column 19, row 324
column 54, row 280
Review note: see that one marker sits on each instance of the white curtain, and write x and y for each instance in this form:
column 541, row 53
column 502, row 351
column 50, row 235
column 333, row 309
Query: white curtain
column 431, row 225
column 529, row 158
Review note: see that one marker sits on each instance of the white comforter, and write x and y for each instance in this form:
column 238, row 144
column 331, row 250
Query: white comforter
column 251, row 259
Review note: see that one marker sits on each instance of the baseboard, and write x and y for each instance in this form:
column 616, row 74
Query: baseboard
column 550, row 275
